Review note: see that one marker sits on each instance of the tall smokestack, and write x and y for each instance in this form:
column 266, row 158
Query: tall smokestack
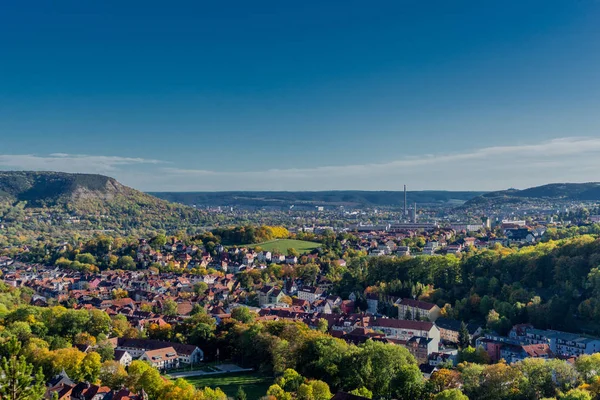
column 415, row 214
column 405, row 204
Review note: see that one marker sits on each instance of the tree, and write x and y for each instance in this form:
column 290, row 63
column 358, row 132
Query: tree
column 119, row 293
column 588, row 366
column 463, row 336
column 472, row 355
column 322, row 325
column 539, row 377
column 99, row 323
column 126, row 262
column 492, row 319
column 169, row 308
column 380, row 368
column 443, row 379
column 242, row 314
column 277, row 392
column 86, row 258
column 16, row 381
column 120, row 325
column 151, row 382
column 293, row 252
column 135, row 371
column 363, row 392
column 158, row 241
column 408, row 383
column 320, row 390
column 212, row 394
column 450, row 394
column 70, row 360
column 576, row 394
column 305, row 392
column 85, row 338
column 240, row 395
column 291, row 380
column 106, row 351
column 200, row 288
column 90, row 366
column 501, row 381
column 112, row 374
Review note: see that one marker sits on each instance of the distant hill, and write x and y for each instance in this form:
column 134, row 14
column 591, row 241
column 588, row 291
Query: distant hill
column 323, row 198
column 553, row 191
column 51, row 188
column 100, row 202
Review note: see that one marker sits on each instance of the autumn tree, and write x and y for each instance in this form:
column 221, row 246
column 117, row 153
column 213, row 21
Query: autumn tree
column 112, row 374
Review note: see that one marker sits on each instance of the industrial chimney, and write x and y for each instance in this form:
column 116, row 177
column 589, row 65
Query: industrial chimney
column 405, row 204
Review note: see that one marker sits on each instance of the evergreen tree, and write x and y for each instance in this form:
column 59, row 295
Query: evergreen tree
column 17, row 382
column 463, row 336
column 240, row 395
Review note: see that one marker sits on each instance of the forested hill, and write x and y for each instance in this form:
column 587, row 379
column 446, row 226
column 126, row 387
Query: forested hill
column 553, row 191
column 322, row 198
column 46, row 200
column 51, row 188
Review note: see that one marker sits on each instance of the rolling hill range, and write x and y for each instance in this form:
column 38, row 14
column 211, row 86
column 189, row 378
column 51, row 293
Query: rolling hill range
column 345, row 198
column 86, row 200
column 550, row 192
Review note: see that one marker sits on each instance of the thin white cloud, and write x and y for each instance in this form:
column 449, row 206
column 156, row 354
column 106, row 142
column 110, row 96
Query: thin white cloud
column 486, row 168
column 70, row 162
column 573, row 159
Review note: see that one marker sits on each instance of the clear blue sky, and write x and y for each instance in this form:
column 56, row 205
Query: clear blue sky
column 214, row 95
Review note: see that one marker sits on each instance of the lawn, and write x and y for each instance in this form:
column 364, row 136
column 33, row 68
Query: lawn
column 253, row 384
column 281, row 245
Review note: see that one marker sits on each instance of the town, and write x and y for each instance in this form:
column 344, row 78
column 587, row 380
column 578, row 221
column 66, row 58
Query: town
column 168, row 301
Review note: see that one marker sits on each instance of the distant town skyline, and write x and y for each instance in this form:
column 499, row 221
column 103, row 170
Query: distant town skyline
column 313, row 95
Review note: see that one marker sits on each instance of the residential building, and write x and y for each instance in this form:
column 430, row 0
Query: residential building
column 421, row 348
column 372, row 302
column 123, row 357
column 269, row 295
column 419, row 310
column 561, row 343
column 165, row 358
column 450, row 329
column 310, row 293
column 187, row 354
column 403, row 251
column 405, row 329
column 439, row 358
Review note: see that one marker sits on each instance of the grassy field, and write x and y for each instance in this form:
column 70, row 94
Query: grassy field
column 253, row 384
column 281, row 245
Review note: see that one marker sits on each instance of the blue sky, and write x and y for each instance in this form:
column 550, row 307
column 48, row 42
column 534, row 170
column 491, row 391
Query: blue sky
column 310, row 95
